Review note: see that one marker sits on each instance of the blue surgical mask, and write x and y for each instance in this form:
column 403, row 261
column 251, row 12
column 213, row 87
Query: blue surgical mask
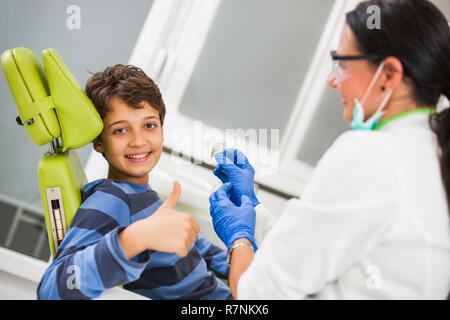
column 358, row 121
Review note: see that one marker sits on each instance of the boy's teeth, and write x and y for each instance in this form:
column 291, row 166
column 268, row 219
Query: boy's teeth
column 138, row 156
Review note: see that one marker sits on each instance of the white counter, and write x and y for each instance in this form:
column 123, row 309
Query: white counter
column 20, row 275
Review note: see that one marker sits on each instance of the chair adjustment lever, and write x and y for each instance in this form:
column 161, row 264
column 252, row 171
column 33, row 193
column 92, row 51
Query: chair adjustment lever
column 56, row 215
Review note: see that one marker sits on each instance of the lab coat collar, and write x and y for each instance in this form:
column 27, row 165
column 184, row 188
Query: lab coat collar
column 406, row 119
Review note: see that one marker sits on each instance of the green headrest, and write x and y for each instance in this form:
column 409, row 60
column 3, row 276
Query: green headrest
column 51, row 103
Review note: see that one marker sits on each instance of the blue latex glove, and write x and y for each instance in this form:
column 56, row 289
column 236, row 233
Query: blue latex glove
column 230, row 221
column 239, row 172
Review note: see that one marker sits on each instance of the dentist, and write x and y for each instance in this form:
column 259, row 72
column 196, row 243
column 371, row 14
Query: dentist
column 373, row 220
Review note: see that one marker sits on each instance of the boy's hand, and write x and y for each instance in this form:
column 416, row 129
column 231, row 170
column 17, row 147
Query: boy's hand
column 166, row 230
column 169, row 230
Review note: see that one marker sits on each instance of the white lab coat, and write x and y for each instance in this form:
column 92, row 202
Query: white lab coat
column 372, row 223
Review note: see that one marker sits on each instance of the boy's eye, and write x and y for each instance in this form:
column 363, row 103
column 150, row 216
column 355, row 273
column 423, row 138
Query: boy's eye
column 120, row 130
column 150, row 125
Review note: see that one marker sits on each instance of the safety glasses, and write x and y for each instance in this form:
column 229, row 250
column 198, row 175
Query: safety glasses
column 337, row 68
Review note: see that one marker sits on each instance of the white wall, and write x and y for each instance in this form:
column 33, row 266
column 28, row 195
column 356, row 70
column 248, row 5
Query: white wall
column 107, row 34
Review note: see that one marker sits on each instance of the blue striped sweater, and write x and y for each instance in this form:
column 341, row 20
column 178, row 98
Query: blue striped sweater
column 90, row 259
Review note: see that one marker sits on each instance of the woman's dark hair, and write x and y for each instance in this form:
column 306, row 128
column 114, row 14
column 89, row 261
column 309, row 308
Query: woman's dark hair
column 418, row 34
column 127, row 82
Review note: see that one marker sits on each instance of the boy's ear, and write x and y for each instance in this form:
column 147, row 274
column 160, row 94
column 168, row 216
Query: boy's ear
column 98, row 145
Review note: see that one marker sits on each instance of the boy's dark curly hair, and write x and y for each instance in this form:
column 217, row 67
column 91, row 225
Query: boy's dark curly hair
column 127, row 82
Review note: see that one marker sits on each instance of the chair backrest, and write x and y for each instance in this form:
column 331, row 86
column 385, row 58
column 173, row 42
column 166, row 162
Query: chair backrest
column 54, row 109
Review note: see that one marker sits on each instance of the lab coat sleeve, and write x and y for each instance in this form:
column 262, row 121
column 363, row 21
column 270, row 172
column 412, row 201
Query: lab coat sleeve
column 349, row 202
column 264, row 221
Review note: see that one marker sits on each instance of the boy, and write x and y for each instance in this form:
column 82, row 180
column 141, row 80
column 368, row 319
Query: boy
column 123, row 233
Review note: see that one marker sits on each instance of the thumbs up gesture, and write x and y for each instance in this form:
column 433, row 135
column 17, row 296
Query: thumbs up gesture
column 166, row 230
column 169, row 230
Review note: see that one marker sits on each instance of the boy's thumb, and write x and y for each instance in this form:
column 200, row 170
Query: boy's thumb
column 172, row 199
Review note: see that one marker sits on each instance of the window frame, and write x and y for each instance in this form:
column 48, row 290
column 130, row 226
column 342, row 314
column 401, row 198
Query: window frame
column 168, row 48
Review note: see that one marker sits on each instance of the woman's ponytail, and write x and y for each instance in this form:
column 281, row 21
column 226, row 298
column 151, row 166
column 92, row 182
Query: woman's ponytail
column 440, row 124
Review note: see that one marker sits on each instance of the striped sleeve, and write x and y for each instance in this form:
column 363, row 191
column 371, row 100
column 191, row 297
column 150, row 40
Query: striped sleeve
column 215, row 258
column 90, row 258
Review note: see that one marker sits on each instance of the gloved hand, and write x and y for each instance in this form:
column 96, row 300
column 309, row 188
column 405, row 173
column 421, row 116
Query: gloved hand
column 239, row 172
column 230, row 221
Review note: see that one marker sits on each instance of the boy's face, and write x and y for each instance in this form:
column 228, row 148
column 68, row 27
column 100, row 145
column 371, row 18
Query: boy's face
column 131, row 140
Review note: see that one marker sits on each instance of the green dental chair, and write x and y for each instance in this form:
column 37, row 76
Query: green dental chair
column 55, row 111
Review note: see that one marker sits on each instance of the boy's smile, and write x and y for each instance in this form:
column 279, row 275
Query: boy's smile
column 131, row 141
